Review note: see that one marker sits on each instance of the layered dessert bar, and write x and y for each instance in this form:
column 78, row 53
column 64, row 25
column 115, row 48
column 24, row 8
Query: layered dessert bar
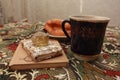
column 53, row 49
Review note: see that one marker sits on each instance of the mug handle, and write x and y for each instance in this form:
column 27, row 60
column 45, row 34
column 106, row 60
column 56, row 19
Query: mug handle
column 64, row 30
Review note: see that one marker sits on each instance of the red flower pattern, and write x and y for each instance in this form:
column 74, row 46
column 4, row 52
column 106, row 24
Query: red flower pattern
column 112, row 73
column 105, row 56
column 42, row 76
column 12, row 46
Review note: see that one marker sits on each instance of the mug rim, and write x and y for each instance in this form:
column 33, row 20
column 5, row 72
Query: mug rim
column 90, row 18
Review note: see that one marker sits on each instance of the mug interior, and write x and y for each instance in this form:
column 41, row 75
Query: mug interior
column 90, row 18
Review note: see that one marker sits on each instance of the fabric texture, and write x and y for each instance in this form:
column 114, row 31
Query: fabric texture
column 106, row 67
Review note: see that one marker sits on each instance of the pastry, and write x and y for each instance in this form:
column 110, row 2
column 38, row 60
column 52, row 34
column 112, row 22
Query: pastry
column 54, row 27
column 40, row 39
column 53, row 49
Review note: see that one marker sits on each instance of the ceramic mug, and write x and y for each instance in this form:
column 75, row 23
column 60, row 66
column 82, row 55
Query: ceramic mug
column 87, row 35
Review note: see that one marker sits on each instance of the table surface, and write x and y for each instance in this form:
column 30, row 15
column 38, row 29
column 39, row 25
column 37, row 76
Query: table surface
column 106, row 67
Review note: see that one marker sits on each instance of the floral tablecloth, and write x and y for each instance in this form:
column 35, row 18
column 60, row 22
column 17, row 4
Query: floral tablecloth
column 106, row 67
